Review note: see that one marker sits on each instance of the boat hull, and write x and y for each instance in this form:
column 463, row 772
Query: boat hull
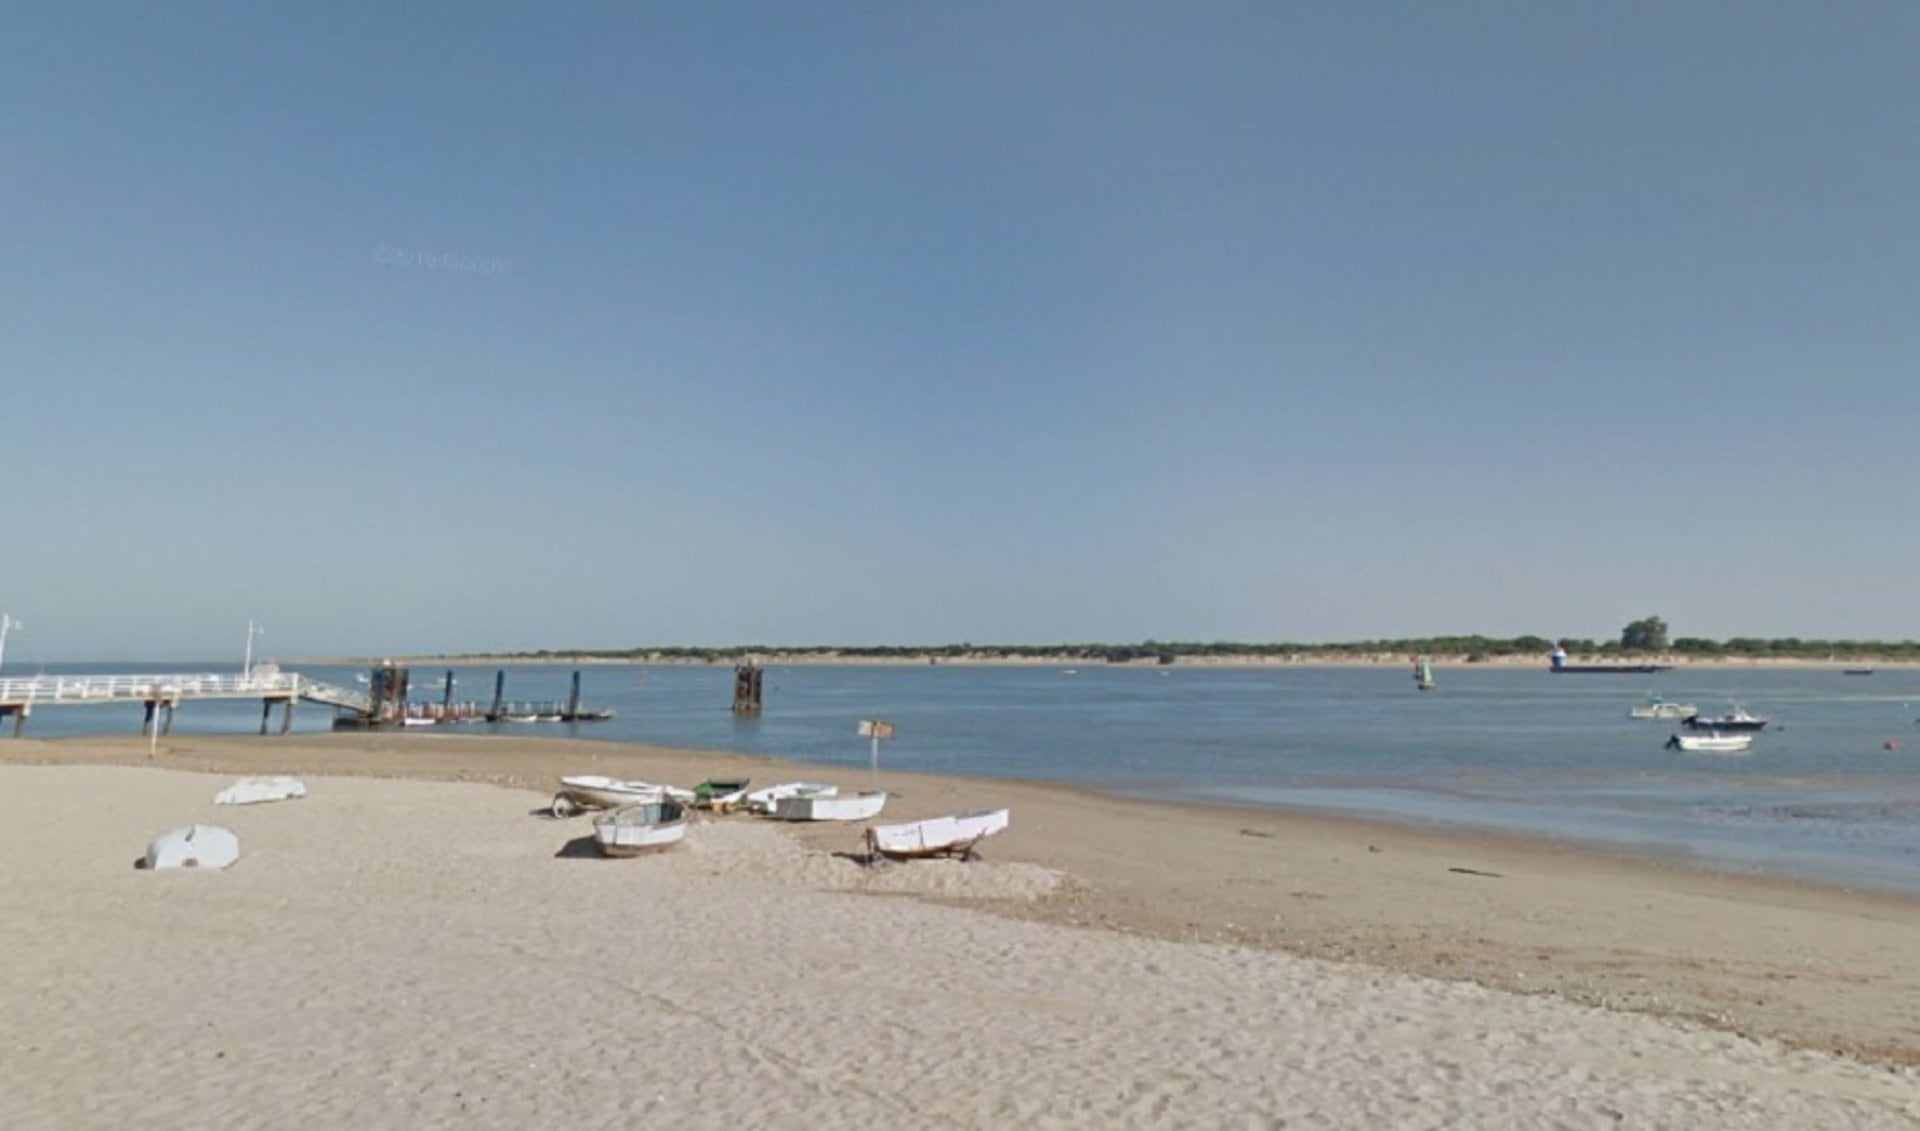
column 764, row 800
column 1610, row 669
column 842, row 807
column 1712, row 743
column 637, row 830
column 591, row 791
column 938, row 836
column 1728, row 723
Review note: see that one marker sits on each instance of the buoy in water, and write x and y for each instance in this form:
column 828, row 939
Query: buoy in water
column 1890, row 744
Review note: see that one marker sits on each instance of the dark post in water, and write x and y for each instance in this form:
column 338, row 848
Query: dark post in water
column 746, row 689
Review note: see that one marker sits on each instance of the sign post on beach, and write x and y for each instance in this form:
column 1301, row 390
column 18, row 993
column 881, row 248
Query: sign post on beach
column 875, row 729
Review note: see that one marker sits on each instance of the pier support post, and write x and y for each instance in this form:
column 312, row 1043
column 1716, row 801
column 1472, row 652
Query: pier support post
column 20, row 720
column 166, row 727
column 286, row 717
column 746, row 689
column 148, row 723
column 266, row 712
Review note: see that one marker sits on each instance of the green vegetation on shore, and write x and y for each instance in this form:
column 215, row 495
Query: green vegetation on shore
column 1648, row 637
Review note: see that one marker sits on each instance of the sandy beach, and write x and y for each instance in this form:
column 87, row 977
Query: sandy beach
column 432, row 952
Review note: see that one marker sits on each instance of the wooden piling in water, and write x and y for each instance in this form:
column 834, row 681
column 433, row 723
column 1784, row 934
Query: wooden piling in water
column 746, row 689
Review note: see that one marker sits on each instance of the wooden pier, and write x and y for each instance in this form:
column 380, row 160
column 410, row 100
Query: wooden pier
column 389, row 705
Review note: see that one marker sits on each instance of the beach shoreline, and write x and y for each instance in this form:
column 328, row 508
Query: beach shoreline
column 1814, row 967
column 442, row 954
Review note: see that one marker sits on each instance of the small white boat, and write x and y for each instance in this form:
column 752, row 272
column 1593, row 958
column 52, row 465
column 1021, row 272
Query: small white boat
column 937, row 836
column 1737, row 718
column 1713, row 742
column 634, row 829
column 592, row 791
column 1663, row 709
column 254, row 791
column 834, row 806
column 762, row 800
column 193, row 846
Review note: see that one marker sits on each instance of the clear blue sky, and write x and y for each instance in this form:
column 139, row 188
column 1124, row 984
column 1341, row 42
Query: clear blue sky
column 460, row 326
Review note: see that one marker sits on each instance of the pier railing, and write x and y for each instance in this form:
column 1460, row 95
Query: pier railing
column 79, row 689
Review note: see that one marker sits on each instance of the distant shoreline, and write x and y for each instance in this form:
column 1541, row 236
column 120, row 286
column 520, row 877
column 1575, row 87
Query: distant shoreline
column 1069, row 660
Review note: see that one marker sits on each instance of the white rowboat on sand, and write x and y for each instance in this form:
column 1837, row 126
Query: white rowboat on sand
column 762, row 800
column 592, row 791
column 937, row 836
column 830, row 807
column 635, row 829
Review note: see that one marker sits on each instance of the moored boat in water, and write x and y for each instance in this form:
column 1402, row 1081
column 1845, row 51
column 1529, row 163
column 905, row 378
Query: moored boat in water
column 1737, row 718
column 1657, row 708
column 1559, row 665
column 1711, row 743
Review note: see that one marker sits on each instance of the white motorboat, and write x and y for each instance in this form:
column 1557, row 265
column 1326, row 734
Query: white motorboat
column 937, row 836
column 834, row 806
column 1712, row 742
column 1736, row 718
column 762, row 800
column 1663, row 709
column 593, row 791
column 634, row 829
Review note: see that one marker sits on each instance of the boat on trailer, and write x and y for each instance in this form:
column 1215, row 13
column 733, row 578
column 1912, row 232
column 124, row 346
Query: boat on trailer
column 632, row 830
column 936, row 836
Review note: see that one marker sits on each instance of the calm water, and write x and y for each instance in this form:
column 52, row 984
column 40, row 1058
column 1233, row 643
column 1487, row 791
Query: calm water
column 1819, row 797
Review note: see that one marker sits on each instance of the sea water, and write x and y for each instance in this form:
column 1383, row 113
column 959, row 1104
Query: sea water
column 1821, row 796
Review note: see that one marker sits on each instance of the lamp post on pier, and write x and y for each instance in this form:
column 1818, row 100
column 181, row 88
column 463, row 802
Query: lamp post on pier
column 253, row 630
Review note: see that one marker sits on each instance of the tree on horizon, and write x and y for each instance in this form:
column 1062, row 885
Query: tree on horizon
column 1649, row 634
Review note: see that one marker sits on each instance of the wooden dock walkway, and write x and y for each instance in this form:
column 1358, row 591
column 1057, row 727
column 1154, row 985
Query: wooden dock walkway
column 161, row 694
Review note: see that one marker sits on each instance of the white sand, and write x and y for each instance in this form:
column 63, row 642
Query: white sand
column 392, row 953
